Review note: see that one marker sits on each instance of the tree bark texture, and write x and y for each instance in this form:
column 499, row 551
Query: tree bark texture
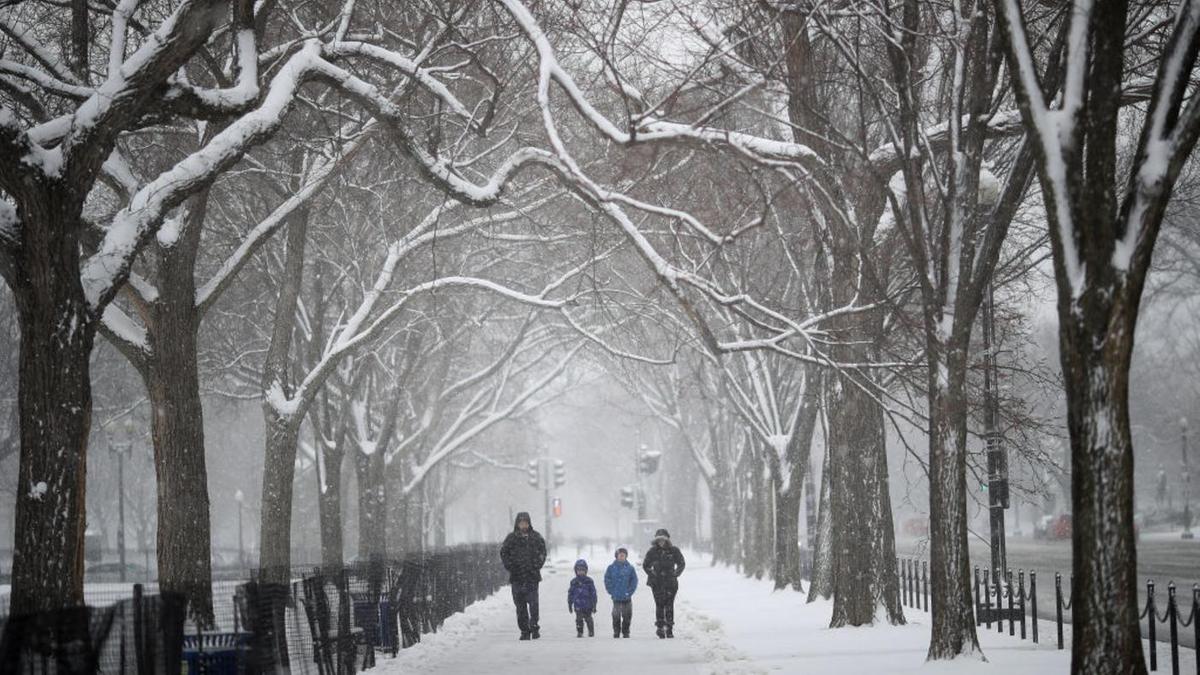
column 282, row 427
column 279, row 474
column 821, row 584
column 789, row 494
column 54, row 404
column 1105, row 634
column 55, row 408
column 865, row 582
column 372, row 505
column 170, row 371
column 951, row 601
column 329, row 501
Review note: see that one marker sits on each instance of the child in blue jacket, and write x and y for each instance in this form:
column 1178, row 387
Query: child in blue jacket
column 581, row 599
column 621, row 580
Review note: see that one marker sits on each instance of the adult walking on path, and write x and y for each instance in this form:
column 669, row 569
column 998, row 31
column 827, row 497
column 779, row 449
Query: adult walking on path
column 523, row 554
column 663, row 564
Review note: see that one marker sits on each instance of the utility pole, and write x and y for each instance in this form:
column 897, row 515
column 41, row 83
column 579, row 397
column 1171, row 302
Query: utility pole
column 120, row 450
column 1187, row 483
column 239, row 498
column 544, row 483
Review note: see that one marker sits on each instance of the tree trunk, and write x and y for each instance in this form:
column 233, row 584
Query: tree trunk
column 282, row 429
column 184, row 531
column 279, row 474
column 863, row 582
column 1095, row 362
column 787, row 538
column 171, row 373
column 761, row 547
column 788, row 496
column 55, row 408
column 821, row 584
column 953, row 631
column 724, row 520
column 329, row 501
column 372, row 505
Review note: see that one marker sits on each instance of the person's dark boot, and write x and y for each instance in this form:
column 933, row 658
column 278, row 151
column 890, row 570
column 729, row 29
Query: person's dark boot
column 535, row 635
column 625, row 634
column 524, row 636
column 670, row 631
column 616, row 633
column 591, row 632
column 660, row 633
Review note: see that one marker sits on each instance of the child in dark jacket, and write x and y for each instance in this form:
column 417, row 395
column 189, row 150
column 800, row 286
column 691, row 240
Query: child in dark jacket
column 621, row 580
column 581, row 599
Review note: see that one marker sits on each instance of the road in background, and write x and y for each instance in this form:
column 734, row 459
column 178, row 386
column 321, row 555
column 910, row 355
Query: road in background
column 1162, row 557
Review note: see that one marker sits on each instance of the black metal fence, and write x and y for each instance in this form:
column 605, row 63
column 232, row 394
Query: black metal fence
column 998, row 600
column 327, row 622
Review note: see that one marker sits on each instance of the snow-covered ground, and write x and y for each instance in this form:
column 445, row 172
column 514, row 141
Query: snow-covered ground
column 725, row 624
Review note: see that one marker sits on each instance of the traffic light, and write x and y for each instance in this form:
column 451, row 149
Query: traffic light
column 648, row 461
column 627, row 496
column 533, row 473
column 557, row 502
column 560, row 472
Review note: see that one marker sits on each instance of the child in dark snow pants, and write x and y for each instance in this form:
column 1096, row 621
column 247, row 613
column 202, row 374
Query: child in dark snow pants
column 581, row 599
column 620, row 580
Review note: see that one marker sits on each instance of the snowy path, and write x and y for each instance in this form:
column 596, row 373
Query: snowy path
column 484, row 640
column 726, row 625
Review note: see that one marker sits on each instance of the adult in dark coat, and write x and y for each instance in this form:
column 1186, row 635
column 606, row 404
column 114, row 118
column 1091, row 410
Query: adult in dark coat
column 523, row 554
column 663, row 564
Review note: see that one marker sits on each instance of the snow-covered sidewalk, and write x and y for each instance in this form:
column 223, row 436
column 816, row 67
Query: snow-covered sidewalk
column 726, row 624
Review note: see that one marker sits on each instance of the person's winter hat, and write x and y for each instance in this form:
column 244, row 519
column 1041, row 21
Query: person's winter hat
column 662, row 534
column 581, row 564
column 620, row 551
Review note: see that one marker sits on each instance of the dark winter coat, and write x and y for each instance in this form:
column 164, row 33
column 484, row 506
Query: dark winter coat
column 523, row 554
column 663, row 565
column 620, row 580
column 581, row 596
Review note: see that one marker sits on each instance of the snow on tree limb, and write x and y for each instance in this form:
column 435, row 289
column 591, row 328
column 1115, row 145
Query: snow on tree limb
column 447, row 446
column 1052, row 129
column 105, row 270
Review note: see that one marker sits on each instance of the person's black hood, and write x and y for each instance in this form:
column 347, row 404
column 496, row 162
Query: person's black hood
column 523, row 515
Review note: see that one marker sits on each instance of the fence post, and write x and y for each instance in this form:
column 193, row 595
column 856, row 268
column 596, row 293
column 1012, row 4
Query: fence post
column 925, row 582
column 1058, row 604
column 987, row 597
column 347, row 651
column 1152, row 621
column 906, row 591
column 1172, row 616
column 999, row 601
column 1008, row 578
column 1196, row 623
column 977, row 596
column 899, row 582
column 1021, row 593
column 910, row 582
column 139, row 631
column 1033, row 603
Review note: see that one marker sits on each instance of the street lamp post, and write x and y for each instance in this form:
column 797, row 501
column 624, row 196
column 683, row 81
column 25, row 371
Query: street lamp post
column 239, row 498
column 1187, row 482
column 120, row 450
column 997, row 459
column 641, row 493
